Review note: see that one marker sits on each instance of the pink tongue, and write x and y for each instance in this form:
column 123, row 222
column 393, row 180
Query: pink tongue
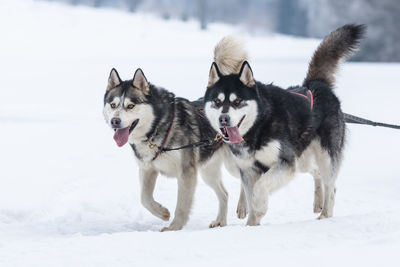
column 233, row 134
column 121, row 136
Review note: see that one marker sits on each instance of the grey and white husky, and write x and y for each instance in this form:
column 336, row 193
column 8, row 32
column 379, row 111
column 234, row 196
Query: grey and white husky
column 274, row 133
column 148, row 118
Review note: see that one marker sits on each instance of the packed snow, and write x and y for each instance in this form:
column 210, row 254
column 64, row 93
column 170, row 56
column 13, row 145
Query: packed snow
column 70, row 197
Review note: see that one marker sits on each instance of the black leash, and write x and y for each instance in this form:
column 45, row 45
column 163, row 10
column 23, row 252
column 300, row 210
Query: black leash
column 217, row 140
column 357, row 120
column 307, row 94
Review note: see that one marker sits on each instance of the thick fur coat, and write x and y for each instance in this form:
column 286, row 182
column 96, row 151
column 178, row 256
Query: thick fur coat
column 274, row 133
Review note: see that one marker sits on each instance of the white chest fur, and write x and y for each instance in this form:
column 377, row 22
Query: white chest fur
column 167, row 163
column 145, row 152
column 268, row 155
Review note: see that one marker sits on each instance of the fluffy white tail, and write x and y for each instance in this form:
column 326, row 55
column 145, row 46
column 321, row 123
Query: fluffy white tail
column 229, row 55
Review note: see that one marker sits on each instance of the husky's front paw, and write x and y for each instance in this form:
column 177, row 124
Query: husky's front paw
column 161, row 212
column 216, row 223
column 171, row 228
column 241, row 212
column 253, row 219
column 164, row 214
column 324, row 216
column 318, row 200
column 252, row 223
column 317, row 206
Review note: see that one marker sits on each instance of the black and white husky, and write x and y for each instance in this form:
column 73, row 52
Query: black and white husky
column 148, row 118
column 274, row 133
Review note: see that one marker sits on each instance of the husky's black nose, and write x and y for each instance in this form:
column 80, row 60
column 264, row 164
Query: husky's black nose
column 115, row 122
column 224, row 120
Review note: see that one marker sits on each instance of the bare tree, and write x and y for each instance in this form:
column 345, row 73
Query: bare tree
column 202, row 10
column 133, row 5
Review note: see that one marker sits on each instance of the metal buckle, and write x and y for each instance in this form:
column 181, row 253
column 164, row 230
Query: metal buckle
column 151, row 145
column 218, row 137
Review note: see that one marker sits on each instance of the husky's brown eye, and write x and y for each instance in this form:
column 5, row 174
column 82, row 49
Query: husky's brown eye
column 217, row 101
column 112, row 105
column 130, row 106
column 237, row 101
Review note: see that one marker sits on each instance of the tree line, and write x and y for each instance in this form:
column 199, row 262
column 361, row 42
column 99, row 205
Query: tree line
column 306, row 18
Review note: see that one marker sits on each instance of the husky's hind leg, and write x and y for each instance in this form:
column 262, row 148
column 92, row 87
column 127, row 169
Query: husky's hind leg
column 329, row 199
column 318, row 192
column 329, row 181
column 329, row 170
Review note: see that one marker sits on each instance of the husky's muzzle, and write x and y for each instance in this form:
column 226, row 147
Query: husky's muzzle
column 121, row 135
column 230, row 134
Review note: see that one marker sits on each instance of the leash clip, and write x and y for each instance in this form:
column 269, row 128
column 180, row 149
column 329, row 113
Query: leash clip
column 151, row 144
column 217, row 137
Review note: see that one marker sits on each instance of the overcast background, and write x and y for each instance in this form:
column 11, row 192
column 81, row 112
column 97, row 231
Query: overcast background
column 307, row 18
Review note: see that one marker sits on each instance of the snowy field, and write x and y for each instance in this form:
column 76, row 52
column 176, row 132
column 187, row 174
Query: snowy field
column 69, row 195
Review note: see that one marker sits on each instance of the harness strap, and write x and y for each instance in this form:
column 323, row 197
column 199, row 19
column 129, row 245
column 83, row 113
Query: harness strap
column 161, row 148
column 309, row 97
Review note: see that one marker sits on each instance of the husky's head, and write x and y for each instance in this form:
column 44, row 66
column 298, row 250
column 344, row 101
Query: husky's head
column 126, row 107
column 231, row 102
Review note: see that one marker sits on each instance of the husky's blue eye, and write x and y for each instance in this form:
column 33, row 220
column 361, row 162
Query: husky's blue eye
column 112, row 105
column 130, row 106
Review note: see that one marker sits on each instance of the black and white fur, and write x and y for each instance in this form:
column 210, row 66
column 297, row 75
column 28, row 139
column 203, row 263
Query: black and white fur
column 149, row 111
column 282, row 135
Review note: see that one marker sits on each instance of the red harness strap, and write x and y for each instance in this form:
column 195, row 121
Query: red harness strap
column 308, row 96
column 164, row 140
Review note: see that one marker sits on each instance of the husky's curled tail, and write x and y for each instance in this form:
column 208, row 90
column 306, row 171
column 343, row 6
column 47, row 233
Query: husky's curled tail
column 335, row 47
column 229, row 54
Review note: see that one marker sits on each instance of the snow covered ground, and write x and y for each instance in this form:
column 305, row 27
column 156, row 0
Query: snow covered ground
column 69, row 195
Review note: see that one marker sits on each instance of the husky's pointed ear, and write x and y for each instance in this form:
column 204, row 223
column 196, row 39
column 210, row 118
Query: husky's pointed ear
column 140, row 82
column 213, row 78
column 113, row 79
column 246, row 75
